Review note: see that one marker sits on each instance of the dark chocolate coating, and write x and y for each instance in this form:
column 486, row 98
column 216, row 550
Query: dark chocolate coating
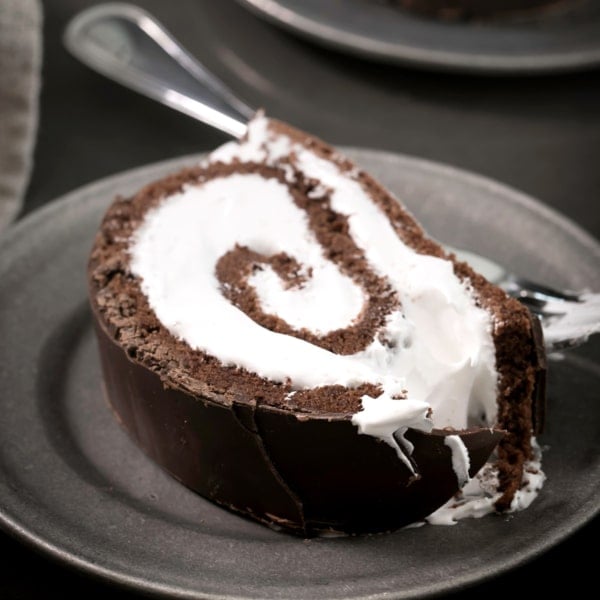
column 306, row 474
column 538, row 408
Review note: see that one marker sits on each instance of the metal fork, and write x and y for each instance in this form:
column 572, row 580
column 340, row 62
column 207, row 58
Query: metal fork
column 568, row 317
column 126, row 44
column 543, row 301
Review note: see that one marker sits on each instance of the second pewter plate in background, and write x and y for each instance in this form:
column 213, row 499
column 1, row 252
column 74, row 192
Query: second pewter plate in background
column 553, row 42
column 76, row 487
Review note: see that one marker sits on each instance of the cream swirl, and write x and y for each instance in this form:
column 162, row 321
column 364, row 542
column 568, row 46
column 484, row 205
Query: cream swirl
column 429, row 342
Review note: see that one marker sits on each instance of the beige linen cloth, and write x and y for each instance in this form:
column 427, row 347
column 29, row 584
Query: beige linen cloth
column 20, row 61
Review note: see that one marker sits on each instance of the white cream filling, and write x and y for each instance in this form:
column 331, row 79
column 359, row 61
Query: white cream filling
column 439, row 345
column 479, row 496
column 327, row 301
column 461, row 461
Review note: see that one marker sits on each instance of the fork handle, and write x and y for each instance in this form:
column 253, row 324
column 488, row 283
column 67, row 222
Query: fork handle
column 126, row 44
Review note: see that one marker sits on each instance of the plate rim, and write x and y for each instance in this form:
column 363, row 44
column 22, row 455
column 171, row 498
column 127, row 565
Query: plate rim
column 364, row 46
column 473, row 178
column 14, row 239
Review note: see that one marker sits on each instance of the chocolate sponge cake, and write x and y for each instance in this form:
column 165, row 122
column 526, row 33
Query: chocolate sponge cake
column 279, row 334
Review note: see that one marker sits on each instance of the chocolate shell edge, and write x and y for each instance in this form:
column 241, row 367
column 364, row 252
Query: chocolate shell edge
column 305, row 474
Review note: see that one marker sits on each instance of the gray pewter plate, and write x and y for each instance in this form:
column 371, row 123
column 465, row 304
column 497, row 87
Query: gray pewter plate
column 75, row 486
column 559, row 40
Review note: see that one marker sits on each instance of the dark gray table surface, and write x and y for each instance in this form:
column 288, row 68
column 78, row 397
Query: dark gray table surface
column 538, row 134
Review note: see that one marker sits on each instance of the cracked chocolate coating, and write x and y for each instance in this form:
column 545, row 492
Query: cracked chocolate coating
column 306, row 475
